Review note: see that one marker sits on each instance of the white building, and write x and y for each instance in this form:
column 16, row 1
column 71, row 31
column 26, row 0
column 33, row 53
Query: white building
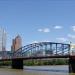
column 2, row 40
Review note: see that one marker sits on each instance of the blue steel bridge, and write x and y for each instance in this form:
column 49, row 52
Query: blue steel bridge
column 38, row 50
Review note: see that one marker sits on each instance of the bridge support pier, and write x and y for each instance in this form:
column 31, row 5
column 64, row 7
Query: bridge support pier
column 17, row 63
column 72, row 64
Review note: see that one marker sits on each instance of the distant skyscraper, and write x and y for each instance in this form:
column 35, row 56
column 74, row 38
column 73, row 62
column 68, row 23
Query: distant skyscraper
column 2, row 40
column 16, row 43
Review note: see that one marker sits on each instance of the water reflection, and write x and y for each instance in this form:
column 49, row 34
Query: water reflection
column 72, row 74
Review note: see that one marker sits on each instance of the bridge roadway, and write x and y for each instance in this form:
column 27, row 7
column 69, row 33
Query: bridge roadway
column 38, row 57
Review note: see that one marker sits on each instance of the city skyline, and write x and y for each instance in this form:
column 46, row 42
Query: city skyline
column 35, row 21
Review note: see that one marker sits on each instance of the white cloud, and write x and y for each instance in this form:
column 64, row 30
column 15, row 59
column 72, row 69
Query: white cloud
column 45, row 41
column 40, row 30
column 73, row 28
column 62, row 39
column 71, row 36
column 57, row 27
column 35, row 42
column 40, row 41
column 45, row 30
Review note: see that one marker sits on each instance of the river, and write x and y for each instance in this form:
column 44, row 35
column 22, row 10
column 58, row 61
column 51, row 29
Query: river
column 36, row 70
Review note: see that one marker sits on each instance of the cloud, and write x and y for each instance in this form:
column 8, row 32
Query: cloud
column 35, row 42
column 73, row 28
column 45, row 40
column 62, row 39
column 57, row 27
column 45, row 30
column 40, row 30
column 71, row 36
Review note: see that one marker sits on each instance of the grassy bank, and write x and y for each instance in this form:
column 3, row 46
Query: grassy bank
column 46, row 62
column 38, row 62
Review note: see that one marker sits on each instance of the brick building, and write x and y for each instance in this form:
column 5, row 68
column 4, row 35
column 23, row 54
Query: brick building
column 16, row 43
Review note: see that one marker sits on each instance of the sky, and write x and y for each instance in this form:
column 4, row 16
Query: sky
column 38, row 20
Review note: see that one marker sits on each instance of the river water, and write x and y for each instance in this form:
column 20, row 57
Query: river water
column 36, row 70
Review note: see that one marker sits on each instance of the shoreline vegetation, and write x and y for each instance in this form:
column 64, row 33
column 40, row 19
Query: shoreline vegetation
column 38, row 62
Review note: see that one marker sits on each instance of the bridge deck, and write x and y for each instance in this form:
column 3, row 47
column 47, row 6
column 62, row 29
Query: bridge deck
column 38, row 57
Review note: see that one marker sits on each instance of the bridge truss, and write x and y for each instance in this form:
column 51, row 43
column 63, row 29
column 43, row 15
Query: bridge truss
column 41, row 49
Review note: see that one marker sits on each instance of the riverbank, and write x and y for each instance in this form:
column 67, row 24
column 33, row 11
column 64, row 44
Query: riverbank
column 60, row 61
column 38, row 62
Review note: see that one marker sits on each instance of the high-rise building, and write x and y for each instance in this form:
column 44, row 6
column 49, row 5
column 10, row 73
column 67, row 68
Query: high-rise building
column 2, row 39
column 16, row 43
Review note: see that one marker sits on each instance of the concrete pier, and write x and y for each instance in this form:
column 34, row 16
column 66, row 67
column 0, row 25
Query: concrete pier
column 17, row 63
column 72, row 64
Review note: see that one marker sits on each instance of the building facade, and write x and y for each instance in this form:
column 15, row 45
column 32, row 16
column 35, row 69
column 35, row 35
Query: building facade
column 16, row 43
